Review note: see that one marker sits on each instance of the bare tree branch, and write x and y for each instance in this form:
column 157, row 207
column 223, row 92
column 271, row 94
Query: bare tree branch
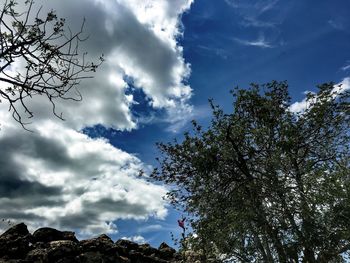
column 50, row 53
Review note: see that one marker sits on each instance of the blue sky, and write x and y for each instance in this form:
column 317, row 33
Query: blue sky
column 229, row 45
column 165, row 59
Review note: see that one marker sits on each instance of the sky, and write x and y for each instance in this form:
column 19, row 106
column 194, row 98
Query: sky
column 164, row 60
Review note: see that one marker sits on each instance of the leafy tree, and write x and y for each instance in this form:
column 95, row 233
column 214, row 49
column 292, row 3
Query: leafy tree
column 264, row 184
column 38, row 56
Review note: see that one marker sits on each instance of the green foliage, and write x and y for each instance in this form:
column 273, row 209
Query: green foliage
column 264, row 184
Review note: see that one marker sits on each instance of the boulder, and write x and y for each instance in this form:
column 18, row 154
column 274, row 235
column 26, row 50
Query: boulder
column 38, row 255
column 102, row 243
column 15, row 242
column 147, row 250
column 127, row 244
column 95, row 257
column 165, row 251
column 62, row 250
column 48, row 245
column 48, row 234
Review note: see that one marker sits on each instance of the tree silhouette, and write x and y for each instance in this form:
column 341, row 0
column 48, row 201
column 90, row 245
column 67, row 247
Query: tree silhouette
column 39, row 56
column 263, row 183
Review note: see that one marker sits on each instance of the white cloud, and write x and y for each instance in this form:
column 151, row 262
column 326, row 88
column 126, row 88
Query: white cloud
column 346, row 67
column 150, row 228
column 254, row 22
column 301, row 106
column 138, row 39
column 59, row 177
column 260, row 42
column 265, row 6
column 258, row 7
column 138, row 239
column 179, row 116
column 253, row 14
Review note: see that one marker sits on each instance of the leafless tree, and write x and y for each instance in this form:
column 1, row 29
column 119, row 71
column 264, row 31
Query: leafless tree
column 47, row 52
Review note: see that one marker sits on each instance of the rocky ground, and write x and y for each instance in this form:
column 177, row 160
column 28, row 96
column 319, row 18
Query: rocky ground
column 17, row 245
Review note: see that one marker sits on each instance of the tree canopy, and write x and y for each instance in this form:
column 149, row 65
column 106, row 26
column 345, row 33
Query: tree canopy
column 39, row 55
column 263, row 183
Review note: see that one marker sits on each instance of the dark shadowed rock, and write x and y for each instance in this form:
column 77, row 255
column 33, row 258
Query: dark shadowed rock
column 38, row 255
column 62, row 250
column 48, row 245
column 127, row 244
column 96, row 256
column 147, row 250
column 165, row 251
column 14, row 261
column 102, row 243
column 138, row 257
column 14, row 243
column 17, row 230
column 163, row 245
column 47, row 234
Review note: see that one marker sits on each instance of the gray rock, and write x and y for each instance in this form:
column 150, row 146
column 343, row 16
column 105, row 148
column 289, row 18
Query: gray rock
column 127, row 244
column 147, row 250
column 98, row 257
column 102, row 243
column 165, row 251
column 38, row 255
column 48, row 234
column 48, row 245
column 62, row 251
column 14, row 243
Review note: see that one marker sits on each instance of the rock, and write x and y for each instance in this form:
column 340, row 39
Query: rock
column 38, row 255
column 14, row 243
column 65, row 250
column 151, row 259
column 105, row 238
column 48, row 245
column 127, row 244
column 95, row 256
column 136, row 257
column 89, row 257
column 17, row 230
column 124, row 259
column 147, row 250
column 165, row 251
column 122, row 251
column 47, row 234
column 15, row 261
column 102, row 243
column 163, row 245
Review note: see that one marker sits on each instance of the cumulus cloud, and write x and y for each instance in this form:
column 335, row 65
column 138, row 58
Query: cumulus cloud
column 59, row 177
column 138, row 39
column 301, row 106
